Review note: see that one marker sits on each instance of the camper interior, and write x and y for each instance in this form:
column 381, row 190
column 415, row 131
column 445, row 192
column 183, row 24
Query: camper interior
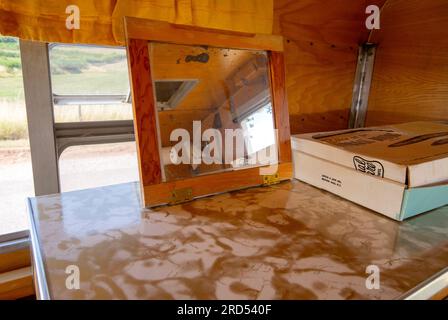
column 160, row 149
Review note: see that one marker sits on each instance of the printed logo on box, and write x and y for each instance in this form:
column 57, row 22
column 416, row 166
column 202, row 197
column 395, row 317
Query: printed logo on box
column 374, row 168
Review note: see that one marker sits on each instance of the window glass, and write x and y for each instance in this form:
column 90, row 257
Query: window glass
column 91, row 166
column 260, row 129
column 16, row 179
column 79, row 74
column 81, row 70
column 96, row 112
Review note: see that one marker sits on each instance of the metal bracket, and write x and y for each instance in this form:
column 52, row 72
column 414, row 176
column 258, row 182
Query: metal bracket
column 361, row 88
column 181, row 195
column 271, row 179
column 92, row 132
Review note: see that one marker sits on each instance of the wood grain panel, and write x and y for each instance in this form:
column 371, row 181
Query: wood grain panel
column 442, row 295
column 15, row 260
column 281, row 115
column 182, row 34
column 410, row 80
column 211, row 184
column 145, row 122
column 16, row 284
column 321, row 49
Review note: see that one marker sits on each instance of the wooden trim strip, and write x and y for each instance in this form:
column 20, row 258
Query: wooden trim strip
column 212, row 183
column 152, row 30
column 15, row 259
column 145, row 121
column 280, row 105
column 16, row 284
column 441, row 295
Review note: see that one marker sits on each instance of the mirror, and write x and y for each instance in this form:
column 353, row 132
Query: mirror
column 214, row 109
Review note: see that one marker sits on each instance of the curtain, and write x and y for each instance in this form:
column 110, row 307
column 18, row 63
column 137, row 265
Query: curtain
column 101, row 21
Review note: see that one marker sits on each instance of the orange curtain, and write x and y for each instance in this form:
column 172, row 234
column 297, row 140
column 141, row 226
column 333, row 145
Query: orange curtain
column 101, row 21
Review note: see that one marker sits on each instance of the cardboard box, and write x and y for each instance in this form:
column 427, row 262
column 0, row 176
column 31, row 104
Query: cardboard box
column 398, row 170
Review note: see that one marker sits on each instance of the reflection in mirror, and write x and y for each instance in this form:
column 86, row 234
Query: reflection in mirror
column 214, row 109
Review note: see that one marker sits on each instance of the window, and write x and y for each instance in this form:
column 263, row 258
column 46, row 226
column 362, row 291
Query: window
column 259, row 135
column 89, row 83
column 260, row 129
column 170, row 93
column 16, row 179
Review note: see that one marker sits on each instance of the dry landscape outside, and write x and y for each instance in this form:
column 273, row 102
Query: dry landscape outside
column 74, row 71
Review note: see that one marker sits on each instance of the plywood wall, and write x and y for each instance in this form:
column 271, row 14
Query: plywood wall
column 321, row 50
column 410, row 80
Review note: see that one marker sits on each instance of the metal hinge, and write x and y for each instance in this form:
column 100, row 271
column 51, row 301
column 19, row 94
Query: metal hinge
column 271, row 179
column 181, row 195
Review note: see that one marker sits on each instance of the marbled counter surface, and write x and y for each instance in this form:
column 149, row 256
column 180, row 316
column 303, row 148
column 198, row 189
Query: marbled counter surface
column 287, row 241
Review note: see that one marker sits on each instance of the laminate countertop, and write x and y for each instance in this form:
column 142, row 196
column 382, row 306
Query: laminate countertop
column 286, row 241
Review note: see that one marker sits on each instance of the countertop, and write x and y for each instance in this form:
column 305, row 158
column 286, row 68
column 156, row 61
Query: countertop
column 286, row 241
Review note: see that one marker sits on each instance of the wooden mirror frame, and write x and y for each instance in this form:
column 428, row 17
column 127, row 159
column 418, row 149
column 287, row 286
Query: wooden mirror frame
column 139, row 32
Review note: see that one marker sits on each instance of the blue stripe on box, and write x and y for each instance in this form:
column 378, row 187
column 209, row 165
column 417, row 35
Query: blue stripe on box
column 419, row 200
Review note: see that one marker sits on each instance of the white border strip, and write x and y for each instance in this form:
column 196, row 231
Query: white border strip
column 40, row 279
column 430, row 288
